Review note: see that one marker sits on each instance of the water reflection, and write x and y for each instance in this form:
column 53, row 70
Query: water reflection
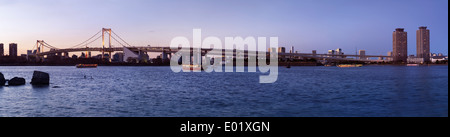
column 300, row 91
column 40, row 87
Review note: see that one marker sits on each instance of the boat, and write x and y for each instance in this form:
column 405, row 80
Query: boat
column 349, row 65
column 412, row 65
column 86, row 65
column 192, row 67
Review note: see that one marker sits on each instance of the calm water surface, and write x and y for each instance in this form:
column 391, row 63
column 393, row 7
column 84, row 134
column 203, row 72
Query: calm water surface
column 299, row 91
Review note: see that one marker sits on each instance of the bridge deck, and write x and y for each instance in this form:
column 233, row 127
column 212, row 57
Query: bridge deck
column 223, row 52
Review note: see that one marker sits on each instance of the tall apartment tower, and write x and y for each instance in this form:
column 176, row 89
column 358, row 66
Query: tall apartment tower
column 2, row 51
column 423, row 43
column 13, row 49
column 400, row 45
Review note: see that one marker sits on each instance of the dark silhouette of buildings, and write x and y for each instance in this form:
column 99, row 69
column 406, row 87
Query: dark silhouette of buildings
column 2, row 51
column 13, row 49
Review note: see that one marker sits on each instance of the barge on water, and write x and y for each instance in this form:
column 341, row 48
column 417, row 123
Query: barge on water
column 86, row 65
column 349, row 65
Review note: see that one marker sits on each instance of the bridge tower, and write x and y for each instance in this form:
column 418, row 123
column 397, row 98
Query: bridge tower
column 40, row 44
column 107, row 30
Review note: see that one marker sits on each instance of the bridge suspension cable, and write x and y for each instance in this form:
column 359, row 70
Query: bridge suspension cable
column 121, row 39
column 117, row 41
column 92, row 41
column 45, row 44
column 82, row 44
column 41, row 44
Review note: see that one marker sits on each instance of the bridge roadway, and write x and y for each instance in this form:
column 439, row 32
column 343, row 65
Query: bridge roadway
column 223, row 52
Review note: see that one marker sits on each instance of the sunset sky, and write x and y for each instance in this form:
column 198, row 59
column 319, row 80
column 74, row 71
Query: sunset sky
column 305, row 24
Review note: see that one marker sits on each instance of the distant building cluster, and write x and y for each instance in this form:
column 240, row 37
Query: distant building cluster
column 439, row 57
column 335, row 52
column 423, row 55
column 399, row 54
column 31, row 56
column 12, row 50
column 12, row 57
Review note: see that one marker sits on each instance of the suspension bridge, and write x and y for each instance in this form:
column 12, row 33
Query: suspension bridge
column 45, row 49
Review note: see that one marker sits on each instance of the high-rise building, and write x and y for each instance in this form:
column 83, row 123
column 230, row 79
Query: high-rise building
column 292, row 50
column 2, row 51
column 13, row 49
column 423, row 43
column 362, row 54
column 400, row 45
column 281, row 50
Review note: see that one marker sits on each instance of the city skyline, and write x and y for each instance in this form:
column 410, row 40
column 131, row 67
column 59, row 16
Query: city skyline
column 306, row 25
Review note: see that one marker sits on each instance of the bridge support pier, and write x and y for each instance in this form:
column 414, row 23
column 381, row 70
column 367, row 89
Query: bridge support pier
column 109, row 31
